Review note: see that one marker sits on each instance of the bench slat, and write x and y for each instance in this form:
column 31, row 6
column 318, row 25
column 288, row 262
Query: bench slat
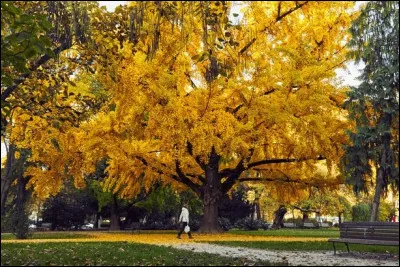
column 370, row 238
column 365, row 242
column 372, row 223
column 368, row 233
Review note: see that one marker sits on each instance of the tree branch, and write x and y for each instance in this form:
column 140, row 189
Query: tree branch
column 271, row 161
column 189, row 147
column 305, row 210
column 183, row 179
column 280, row 17
column 7, row 92
column 233, row 175
column 284, row 180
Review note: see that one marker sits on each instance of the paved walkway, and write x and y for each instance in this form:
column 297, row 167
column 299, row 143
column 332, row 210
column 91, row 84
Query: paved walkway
column 322, row 258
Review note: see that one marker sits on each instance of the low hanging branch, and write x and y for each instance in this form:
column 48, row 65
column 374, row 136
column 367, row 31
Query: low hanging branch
column 286, row 180
column 234, row 174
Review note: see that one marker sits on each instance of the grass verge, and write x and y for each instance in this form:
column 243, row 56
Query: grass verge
column 329, row 233
column 48, row 235
column 112, row 254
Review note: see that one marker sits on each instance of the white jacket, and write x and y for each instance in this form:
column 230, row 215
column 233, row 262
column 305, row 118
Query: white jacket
column 184, row 216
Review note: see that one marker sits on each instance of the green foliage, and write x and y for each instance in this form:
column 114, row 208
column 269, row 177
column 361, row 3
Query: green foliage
column 225, row 223
column 22, row 38
column 386, row 211
column 328, row 233
column 249, row 224
column 103, row 197
column 161, row 200
column 361, row 212
column 374, row 104
column 69, row 208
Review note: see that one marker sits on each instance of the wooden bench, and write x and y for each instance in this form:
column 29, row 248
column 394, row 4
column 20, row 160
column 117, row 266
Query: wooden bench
column 289, row 225
column 309, row 225
column 324, row 225
column 367, row 233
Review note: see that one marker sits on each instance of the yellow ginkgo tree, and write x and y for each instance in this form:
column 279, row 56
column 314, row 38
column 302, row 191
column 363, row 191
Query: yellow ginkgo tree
column 205, row 101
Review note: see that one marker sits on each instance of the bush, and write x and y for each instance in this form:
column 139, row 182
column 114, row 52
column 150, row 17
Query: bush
column 105, row 224
column 264, row 225
column 361, row 212
column 249, row 224
column 225, row 223
column 195, row 224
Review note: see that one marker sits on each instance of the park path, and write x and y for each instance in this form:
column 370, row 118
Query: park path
column 306, row 258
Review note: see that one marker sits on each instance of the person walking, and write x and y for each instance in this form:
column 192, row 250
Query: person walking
column 184, row 221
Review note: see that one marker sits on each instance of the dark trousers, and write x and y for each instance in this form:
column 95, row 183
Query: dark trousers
column 182, row 228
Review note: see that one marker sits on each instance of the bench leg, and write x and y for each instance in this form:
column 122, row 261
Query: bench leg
column 347, row 245
column 334, row 248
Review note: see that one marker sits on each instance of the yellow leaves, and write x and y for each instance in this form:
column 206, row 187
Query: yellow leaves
column 275, row 100
column 165, row 239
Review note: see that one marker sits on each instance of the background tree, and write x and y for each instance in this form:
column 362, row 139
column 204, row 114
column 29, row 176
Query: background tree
column 70, row 208
column 374, row 104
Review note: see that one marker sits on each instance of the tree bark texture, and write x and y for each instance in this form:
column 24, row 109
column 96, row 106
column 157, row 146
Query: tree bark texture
column 279, row 215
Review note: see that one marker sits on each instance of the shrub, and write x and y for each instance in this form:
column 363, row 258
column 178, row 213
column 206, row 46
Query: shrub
column 195, row 224
column 105, row 224
column 225, row 223
column 249, row 224
column 361, row 212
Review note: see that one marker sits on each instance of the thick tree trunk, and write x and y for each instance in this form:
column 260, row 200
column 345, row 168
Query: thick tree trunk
column 380, row 177
column 256, row 211
column 210, row 219
column 7, row 178
column 377, row 197
column 305, row 217
column 20, row 220
column 96, row 221
column 212, row 196
column 114, row 222
column 340, row 218
column 279, row 215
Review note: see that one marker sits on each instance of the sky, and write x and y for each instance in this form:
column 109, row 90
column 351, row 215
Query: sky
column 348, row 75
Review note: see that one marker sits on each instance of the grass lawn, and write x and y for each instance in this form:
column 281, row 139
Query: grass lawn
column 309, row 246
column 329, row 233
column 48, row 235
column 111, row 254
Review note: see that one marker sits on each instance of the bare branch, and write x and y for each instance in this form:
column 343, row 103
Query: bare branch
column 272, row 161
column 189, row 147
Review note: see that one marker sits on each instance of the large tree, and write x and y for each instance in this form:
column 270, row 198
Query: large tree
column 374, row 104
column 205, row 102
